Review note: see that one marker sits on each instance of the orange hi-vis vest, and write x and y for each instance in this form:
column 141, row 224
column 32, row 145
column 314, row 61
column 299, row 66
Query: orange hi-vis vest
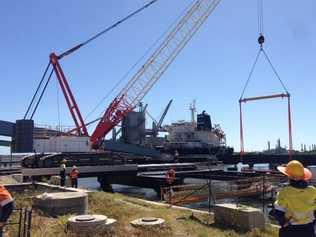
column 74, row 174
column 5, row 196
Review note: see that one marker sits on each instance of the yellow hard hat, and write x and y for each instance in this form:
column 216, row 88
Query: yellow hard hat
column 296, row 171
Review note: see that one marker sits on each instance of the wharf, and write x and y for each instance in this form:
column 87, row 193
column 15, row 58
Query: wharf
column 94, row 171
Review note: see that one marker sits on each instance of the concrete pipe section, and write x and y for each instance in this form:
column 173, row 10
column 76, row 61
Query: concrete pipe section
column 62, row 203
column 90, row 225
column 148, row 222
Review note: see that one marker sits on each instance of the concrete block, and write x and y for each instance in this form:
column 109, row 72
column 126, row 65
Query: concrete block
column 241, row 217
column 56, row 204
column 55, row 180
column 18, row 177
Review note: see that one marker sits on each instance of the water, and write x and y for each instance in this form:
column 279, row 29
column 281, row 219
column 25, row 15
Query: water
column 145, row 193
column 89, row 183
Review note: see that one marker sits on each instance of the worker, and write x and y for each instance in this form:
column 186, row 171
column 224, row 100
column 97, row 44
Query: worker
column 295, row 203
column 6, row 207
column 170, row 178
column 176, row 156
column 74, row 176
column 62, row 172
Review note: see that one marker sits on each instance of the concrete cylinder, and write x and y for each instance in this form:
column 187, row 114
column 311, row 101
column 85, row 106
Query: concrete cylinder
column 146, row 222
column 90, row 225
column 62, row 203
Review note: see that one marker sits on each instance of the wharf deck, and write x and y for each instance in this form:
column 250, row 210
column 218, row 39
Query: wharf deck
column 93, row 171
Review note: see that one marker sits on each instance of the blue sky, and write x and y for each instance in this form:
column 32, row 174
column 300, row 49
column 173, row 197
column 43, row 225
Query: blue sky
column 211, row 69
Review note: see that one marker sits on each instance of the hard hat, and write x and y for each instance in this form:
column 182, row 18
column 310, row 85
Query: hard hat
column 296, row 171
column 64, row 161
column 74, row 167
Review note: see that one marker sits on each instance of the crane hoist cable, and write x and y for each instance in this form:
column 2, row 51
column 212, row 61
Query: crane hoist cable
column 260, row 17
column 43, row 84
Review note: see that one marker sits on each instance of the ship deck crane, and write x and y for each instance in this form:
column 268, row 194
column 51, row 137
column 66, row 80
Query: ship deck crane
column 144, row 79
column 157, row 125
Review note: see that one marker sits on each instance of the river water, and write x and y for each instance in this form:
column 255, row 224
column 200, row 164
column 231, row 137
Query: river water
column 145, row 193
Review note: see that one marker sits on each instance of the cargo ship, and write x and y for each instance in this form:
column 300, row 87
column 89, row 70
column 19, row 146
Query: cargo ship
column 196, row 139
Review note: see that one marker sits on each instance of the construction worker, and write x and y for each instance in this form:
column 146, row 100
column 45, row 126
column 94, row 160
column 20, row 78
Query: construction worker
column 170, row 178
column 62, row 172
column 74, row 176
column 295, row 204
column 6, row 205
column 176, row 156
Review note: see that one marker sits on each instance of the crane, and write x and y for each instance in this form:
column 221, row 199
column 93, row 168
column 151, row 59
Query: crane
column 80, row 126
column 157, row 125
column 150, row 72
column 139, row 85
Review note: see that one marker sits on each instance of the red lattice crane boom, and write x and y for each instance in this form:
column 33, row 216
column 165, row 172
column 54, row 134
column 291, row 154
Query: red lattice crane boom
column 81, row 128
column 154, row 67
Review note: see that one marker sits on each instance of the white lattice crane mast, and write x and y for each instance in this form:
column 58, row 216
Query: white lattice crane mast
column 151, row 71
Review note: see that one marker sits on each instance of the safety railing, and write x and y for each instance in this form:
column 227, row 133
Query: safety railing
column 20, row 218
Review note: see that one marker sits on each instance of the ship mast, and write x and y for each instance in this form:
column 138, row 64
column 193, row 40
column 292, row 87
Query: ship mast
column 193, row 110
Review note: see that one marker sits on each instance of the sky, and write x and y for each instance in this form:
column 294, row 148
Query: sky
column 212, row 68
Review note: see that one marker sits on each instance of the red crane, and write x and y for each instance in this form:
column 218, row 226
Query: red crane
column 70, row 99
column 81, row 129
column 154, row 67
column 144, row 79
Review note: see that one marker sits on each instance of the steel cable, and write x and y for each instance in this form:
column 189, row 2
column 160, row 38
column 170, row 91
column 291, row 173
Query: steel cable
column 275, row 71
column 250, row 74
column 37, row 90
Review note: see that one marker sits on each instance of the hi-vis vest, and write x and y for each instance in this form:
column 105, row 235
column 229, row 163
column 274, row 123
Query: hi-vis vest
column 5, row 196
column 74, row 174
column 298, row 204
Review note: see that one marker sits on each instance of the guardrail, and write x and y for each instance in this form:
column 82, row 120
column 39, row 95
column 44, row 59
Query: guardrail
column 24, row 222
